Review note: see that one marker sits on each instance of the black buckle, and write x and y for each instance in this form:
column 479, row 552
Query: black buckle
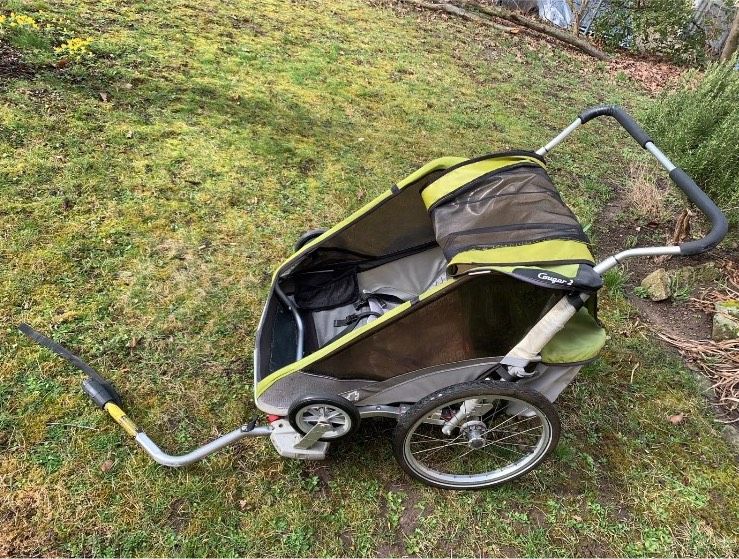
column 351, row 319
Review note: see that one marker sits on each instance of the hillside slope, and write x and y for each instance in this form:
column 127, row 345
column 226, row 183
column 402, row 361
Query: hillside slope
column 147, row 192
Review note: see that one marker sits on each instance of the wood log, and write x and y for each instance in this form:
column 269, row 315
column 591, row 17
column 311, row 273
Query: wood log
column 461, row 12
column 537, row 26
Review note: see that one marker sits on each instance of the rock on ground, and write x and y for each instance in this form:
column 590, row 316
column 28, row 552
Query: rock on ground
column 726, row 320
column 657, row 285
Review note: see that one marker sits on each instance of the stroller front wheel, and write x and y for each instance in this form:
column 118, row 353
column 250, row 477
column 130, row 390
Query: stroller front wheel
column 339, row 413
column 503, row 432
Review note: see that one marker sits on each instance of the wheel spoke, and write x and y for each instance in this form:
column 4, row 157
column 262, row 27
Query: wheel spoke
column 521, row 433
column 493, row 443
column 510, row 444
column 440, row 446
column 430, row 439
column 335, row 417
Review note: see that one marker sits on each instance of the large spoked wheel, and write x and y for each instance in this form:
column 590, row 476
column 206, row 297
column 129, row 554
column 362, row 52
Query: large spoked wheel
column 338, row 412
column 502, row 432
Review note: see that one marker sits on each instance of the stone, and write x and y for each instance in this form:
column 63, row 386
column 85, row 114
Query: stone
column 657, row 285
column 726, row 320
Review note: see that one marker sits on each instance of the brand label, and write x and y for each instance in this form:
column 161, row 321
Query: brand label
column 554, row 280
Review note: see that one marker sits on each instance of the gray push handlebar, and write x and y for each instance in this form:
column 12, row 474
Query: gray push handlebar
column 719, row 224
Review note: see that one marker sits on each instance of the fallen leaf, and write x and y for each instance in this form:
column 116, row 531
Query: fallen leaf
column 106, row 466
column 64, row 62
column 64, row 317
column 677, row 418
column 242, row 504
column 104, row 96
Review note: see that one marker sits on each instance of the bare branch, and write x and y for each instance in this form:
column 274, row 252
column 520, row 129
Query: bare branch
column 457, row 11
column 537, row 26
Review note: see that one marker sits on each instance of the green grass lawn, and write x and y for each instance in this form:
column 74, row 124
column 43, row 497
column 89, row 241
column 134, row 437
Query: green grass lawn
column 146, row 193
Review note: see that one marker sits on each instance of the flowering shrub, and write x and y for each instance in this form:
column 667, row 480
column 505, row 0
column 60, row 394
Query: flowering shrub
column 46, row 36
column 75, row 48
column 18, row 21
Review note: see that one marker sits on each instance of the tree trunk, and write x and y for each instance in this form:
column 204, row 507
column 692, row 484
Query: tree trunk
column 550, row 30
column 732, row 41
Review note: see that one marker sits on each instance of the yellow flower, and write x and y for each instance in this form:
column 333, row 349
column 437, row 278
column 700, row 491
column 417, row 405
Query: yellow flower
column 21, row 20
column 76, row 48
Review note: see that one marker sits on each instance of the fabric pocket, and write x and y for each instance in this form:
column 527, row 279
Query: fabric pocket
column 326, row 290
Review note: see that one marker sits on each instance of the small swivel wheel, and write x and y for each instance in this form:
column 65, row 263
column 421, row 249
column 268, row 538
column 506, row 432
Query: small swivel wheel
column 343, row 416
column 307, row 237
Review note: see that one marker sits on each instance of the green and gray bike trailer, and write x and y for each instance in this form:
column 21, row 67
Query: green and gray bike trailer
column 460, row 302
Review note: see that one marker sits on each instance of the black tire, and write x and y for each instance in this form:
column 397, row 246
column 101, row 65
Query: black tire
column 414, row 417
column 307, row 237
column 302, row 406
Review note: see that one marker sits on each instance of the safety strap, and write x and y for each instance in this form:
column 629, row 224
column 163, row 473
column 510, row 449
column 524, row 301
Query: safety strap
column 353, row 319
column 351, row 322
column 367, row 299
column 63, row 352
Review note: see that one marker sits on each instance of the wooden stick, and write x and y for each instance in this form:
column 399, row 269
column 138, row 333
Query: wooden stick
column 457, row 11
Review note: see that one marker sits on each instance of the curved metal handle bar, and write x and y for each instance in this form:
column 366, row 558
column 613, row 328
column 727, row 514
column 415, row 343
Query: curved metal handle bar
column 719, row 224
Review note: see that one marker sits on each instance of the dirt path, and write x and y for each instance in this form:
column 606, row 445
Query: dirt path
column 677, row 318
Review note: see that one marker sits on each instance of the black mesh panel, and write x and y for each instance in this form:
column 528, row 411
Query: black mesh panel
column 511, row 207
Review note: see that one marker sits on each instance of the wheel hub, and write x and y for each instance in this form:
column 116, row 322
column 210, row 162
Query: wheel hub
column 474, row 431
column 311, row 416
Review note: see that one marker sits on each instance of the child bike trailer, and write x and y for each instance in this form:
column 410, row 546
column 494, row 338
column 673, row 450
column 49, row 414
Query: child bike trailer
column 460, row 302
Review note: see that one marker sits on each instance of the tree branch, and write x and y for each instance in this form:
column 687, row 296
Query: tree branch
column 457, row 11
column 539, row 27
column 732, row 41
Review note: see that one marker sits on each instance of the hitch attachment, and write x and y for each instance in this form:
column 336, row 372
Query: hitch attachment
column 105, row 396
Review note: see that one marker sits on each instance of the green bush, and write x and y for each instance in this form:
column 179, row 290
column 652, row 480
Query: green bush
column 698, row 127
column 661, row 27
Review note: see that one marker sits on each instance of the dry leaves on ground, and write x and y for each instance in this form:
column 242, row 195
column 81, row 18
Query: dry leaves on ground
column 652, row 75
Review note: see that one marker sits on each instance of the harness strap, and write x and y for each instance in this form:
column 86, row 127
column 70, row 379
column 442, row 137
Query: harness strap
column 351, row 322
column 63, row 352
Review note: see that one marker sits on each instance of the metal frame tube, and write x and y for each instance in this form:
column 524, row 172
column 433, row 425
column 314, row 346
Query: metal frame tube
column 559, row 137
column 298, row 320
column 161, row 457
column 660, row 156
column 616, row 259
